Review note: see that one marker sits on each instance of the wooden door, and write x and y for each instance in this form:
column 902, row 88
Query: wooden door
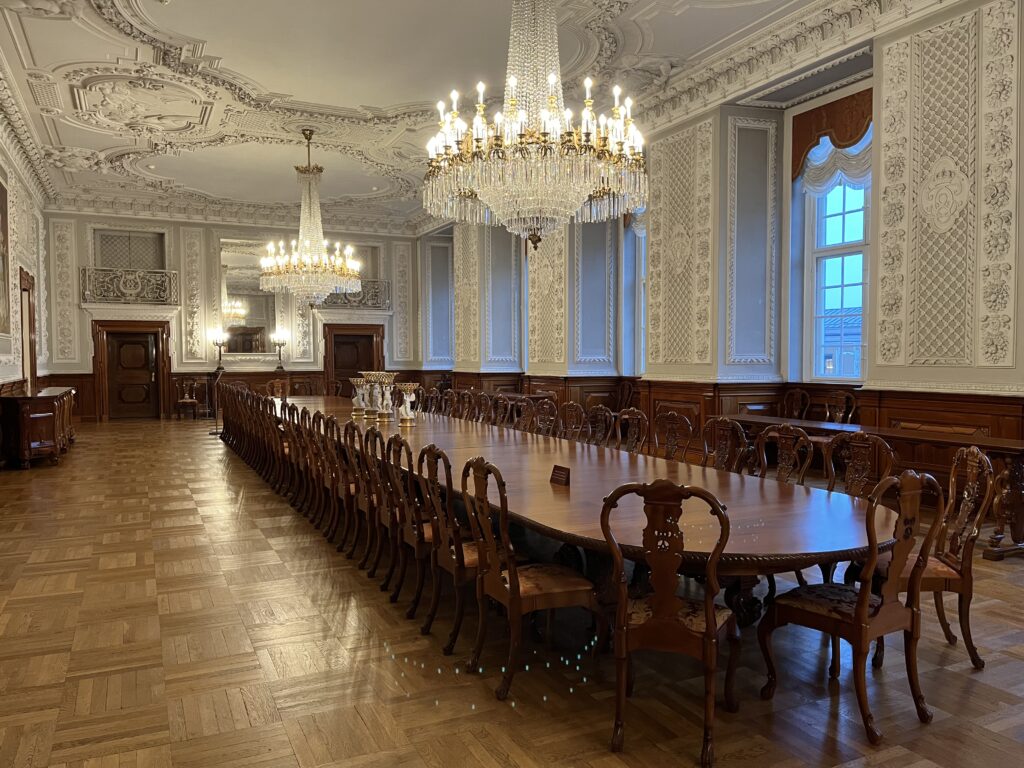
column 132, row 381
column 352, row 353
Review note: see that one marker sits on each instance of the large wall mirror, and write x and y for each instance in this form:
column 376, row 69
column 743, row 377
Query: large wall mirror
column 248, row 315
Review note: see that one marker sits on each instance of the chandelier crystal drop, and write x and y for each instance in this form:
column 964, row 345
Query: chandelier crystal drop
column 535, row 165
column 307, row 269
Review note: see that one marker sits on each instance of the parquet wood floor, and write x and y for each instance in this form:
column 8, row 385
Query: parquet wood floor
column 160, row 606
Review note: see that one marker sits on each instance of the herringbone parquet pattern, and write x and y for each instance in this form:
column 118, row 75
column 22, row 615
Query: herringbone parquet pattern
column 160, row 606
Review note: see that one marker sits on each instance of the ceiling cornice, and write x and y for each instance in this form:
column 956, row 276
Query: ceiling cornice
column 798, row 40
column 17, row 138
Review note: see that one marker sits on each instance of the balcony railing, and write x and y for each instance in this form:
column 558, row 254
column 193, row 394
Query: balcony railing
column 129, row 286
column 376, row 294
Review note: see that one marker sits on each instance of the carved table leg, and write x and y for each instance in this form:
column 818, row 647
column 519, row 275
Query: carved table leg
column 1009, row 511
column 739, row 596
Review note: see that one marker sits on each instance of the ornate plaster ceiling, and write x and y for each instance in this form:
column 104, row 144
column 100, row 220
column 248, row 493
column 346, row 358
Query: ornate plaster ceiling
column 192, row 108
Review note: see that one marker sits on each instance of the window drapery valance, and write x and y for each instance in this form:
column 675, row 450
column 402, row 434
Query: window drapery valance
column 844, row 121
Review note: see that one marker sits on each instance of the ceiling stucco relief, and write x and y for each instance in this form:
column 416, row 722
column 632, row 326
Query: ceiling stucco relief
column 59, row 9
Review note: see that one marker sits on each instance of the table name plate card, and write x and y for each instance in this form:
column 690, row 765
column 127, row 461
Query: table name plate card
column 560, row 475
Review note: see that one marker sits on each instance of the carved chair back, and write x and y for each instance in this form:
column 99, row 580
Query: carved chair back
column 501, row 410
column 966, row 509
column 664, row 544
column 277, row 388
column 673, row 431
column 449, row 402
column 795, row 403
column 483, row 407
column 857, row 451
column 338, row 387
column 374, row 459
column 435, row 478
column 467, row 404
column 547, row 418
column 239, row 385
column 632, row 432
column 402, row 487
column 624, row 395
column 306, row 387
column 794, row 451
column 352, row 441
column 840, row 405
column 725, row 445
column 187, row 390
column 433, row 402
column 574, row 419
column 527, row 414
column 420, row 404
column 600, row 423
column 476, row 476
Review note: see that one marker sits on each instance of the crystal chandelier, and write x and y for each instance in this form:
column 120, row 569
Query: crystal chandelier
column 533, row 166
column 234, row 310
column 306, row 269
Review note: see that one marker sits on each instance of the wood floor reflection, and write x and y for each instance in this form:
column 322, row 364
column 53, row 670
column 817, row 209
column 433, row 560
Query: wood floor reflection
column 161, row 606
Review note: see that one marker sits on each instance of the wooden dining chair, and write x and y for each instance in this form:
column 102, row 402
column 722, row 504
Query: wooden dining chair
column 449, row 403
column 631, row 435
column 501, row 410
column 527, row 414
column 546, row 423
column 950, row 567
column 453, row 550
column 239, row 384
column 420, row 403
column 840, row 405
column 278, row 388
column 857, row 452
column 519, row 589
column 483, row 407
column 794, row 452
column 600, row 425
column 795, row 403
column 372, row 451
column 664, row 621
column 673, row 434
column 725, row 445
column 859, row 614
column 433, row 404
column 187, row 400
column 574, row 419
column 414, row 533
column 467, row 405
column 357, row 501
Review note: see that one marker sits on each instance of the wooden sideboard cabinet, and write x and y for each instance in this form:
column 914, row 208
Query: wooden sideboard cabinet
column 37, row 424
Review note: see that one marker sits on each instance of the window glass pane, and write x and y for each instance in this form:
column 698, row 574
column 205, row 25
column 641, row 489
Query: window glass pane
column 833, row 271
column 853, row 268
column 854, row 199
column 849, row 362
column 852, row 298
column 827, row 362
column 833, row 230
column 854, row 227
column 834, row 201
column 851, row 327
column 833, row 299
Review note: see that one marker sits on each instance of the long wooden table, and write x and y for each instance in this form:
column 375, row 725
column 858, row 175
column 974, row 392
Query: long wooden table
column 775, row 527
column 1010, row 510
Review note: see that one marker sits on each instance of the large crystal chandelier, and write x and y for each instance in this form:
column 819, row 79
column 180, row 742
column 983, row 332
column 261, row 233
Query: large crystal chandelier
column 306, row 269
column 234, row 310
column 534, row 165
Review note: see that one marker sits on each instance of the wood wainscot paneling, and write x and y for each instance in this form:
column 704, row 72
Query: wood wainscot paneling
column 535, row 385
column 761, row 399
column 85, row 397
column 696, row 401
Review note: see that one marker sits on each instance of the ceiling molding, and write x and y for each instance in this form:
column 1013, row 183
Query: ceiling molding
column 762, row 97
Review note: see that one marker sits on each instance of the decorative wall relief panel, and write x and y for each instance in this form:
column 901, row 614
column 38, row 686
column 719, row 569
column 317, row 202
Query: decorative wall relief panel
column 680, row 258
column 948, row 218
column 594, row 289
column 999, row 204
column 546, row 286
column 402, row 267
column 192, row 287
column 65, row 325
column 467, row 294
column 438, row 284
column 501, row 304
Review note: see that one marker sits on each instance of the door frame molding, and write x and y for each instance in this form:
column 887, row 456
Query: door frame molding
column 100, row 330
column 28, row 283
column 351, row 329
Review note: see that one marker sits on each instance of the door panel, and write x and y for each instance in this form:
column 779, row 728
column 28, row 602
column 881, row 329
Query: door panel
column 132, row 381
column 352, row 353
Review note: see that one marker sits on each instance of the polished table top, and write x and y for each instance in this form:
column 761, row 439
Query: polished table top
column 775, row 527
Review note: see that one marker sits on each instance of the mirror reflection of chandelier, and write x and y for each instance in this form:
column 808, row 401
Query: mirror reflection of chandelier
column 535, row 165
column 234, row 310
column 306, row 269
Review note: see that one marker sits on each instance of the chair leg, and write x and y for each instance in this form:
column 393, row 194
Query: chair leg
column 621, row 684
column 828, row 572
column 707, row 752
column 421, row 578
column 357, row 528
column 764, row 639
column 940, row 609
column 380, row 541
column 460, row 613
column 515, row 651
column 372, row 533
column 833, row 667
column 860, row 683
column 732, row 704
column 435, row 595
column 964, row 608
column 481, row 628
column 910, row 640
column 399, row 555
column 878, row 658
